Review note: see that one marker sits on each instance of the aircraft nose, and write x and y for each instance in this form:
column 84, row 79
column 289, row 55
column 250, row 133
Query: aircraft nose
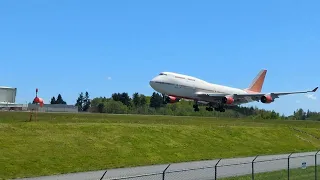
column 152, row 83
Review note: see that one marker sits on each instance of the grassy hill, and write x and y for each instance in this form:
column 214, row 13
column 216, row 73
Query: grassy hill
column 61, row 142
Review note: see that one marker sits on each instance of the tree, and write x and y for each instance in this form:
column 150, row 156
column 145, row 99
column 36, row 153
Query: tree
column 274, row 115
column 156, row 100
column 122, row 97
column 136, row 99
column 86, row 102
column 79, row 102
column 299, row 114
column 125, row 99
column 115, row 107
column 53, row 100
column 101, row 108
column 60, row 100
column 116, row 96
column 308, row 114
column 143, row 100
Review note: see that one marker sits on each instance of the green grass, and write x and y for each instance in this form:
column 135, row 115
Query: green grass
column 295, row 174
column 62, row 143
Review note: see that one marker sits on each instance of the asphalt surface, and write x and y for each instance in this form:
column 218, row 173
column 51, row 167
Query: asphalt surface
column 198, row 170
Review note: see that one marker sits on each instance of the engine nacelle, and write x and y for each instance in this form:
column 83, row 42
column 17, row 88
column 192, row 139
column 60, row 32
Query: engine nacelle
column 172, row 99
column 227, row 100
column 266, row 99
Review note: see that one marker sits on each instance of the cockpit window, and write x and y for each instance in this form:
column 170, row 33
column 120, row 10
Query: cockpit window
column 162, row 74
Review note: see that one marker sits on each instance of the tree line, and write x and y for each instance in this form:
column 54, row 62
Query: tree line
column 123, row 103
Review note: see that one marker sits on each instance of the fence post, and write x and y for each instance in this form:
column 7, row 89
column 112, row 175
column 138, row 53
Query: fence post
column 164, row 171
column 103, row 174
column 315, row 167
column 253, row 166
column 215, row 169
column 289, row 166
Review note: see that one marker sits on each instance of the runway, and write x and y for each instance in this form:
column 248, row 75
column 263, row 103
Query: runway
column 203, row 170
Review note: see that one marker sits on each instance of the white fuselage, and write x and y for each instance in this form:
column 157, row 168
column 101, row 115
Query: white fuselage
column 184, row 86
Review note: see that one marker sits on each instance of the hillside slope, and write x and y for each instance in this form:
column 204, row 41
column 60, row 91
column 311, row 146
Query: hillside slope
column 61, row 143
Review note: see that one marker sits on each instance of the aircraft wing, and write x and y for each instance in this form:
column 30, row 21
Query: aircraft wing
column 274, row 94
column 252, row 95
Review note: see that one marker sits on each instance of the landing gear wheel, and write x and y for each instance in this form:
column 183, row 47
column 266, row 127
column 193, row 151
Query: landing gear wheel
column 196, row 107
column 209, row 108
column 220, row 109
column 164, row 99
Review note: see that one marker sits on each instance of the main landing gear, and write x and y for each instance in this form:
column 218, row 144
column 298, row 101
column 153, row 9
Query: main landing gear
column 219, row 108
column 196, row 107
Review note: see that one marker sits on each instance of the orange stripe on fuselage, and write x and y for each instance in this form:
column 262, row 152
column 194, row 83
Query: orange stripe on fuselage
column 183, row 97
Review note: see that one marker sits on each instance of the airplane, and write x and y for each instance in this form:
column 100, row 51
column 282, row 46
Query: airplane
column 174, row 87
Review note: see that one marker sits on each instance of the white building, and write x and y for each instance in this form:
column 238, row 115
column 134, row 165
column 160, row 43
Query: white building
column 8, row 99
column 8, row 95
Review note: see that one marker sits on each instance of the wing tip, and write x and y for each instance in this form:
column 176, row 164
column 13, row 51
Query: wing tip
column 315, row 89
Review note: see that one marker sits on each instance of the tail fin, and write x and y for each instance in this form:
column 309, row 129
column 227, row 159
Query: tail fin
column 257, row 82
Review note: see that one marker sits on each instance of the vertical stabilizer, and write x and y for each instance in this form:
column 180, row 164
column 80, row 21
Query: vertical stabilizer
column 257, row 83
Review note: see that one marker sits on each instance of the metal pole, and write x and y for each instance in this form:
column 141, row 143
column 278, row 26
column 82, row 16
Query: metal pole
column 164, row 171
column 103, row 174
column 215, row 169
column 253, row 166
column 289, row 166
column 315, row 167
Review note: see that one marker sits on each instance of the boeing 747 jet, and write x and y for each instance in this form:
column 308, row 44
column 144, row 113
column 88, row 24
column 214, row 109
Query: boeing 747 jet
column 174, row 87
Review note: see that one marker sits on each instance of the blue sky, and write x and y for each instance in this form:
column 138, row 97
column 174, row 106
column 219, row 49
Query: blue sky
column 68, row 46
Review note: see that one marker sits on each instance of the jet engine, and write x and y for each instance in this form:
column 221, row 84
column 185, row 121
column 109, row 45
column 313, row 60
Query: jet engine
column 171, row 99
column 266, row 99
column 227, row 100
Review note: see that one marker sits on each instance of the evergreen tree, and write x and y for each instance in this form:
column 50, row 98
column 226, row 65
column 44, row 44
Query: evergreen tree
column 125, row 99
column 53, row 100
column 86, row 102
column 136, row 99
column 122, row 97
column 143, row 100
column 156, row 100
column 79, row 102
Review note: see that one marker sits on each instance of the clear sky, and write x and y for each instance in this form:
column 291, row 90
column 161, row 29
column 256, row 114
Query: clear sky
column 69, row 46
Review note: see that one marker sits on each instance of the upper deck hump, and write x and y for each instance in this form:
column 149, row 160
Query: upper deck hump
column 184, row 76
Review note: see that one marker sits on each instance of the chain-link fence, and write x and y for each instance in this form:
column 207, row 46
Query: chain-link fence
column 287, row 166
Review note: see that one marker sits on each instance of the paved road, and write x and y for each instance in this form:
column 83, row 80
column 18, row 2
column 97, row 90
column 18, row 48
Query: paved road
column 203, row 170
